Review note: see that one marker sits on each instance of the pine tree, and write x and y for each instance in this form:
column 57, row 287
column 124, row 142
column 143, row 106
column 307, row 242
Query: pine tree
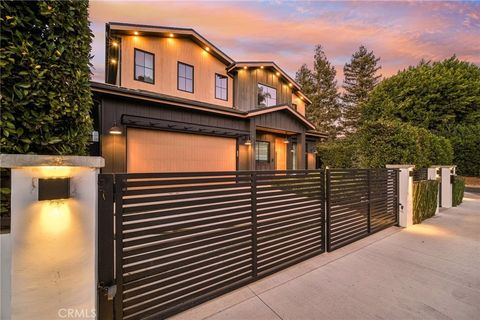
column 360, row 78
column 320, row 86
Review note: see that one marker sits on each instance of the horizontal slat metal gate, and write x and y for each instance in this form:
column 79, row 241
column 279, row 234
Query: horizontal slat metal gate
column 183, row 238
column 359, row 202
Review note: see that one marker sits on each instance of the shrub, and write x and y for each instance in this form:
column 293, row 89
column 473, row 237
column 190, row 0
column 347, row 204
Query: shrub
column 425, row 199
column 338, row 154
column 45, row 77
column 392, row 142
column 458, row 190
column 466, row 144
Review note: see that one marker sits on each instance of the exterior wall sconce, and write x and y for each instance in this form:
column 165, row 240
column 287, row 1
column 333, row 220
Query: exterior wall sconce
column 248, row 142
column 286, row 141
column 53, row 189
column 114, row 129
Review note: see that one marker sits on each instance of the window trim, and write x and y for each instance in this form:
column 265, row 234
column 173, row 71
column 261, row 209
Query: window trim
column 178, row 77
column 268, row 151
column 215, row 85
column 135, row 65
column 266, row 85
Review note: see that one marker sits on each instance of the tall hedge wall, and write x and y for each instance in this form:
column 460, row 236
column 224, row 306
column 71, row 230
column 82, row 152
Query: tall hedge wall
column 425, row 198
column 458, row 190
column 44, row 60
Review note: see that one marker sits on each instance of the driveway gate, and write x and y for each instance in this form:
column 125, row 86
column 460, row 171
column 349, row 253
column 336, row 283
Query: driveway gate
column 169, row 241
column 359, row 202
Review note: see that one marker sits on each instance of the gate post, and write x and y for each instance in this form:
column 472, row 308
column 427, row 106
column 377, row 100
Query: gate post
column 53, row 239
column 433, row 175
column 405, row 193
column 446, row 187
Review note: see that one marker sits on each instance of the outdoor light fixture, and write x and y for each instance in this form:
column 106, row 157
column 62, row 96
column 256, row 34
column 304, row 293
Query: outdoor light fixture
column 286, row 139
column 207, row 48
column 301, row 98
column 113, row 61
column 248, row 142
column 53, row 189
column 171, row 35
column 245, row 67
column 261, row 67
column 289, row 84
column 278, row 73
column 135, row 33
column 114, row 43
column 114, row 129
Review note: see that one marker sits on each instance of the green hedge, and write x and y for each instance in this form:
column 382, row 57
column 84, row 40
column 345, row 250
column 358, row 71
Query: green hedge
column 458, row 190
column 45, row 77
column 425, row 198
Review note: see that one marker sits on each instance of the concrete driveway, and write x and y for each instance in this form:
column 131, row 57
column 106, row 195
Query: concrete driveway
column 430, row 271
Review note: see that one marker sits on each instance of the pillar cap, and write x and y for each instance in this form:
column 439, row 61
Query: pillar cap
column 33, row 160
column 400, row 166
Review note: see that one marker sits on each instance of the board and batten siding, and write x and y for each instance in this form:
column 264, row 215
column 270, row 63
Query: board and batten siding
column 168, row 52
column 113, row 107
column 245, row 87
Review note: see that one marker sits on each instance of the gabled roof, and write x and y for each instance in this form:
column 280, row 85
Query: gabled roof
column 270, row 64
column 257, row 112
column 141, row 29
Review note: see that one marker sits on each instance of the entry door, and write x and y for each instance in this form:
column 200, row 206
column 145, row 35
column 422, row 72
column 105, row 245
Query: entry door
column 280, row 154
column 263, row 155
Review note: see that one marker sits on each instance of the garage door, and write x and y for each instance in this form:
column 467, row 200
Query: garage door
column 163, row 151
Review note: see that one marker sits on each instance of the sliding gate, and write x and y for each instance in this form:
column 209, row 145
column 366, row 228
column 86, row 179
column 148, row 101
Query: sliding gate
column 359, row 203
column 169, row 241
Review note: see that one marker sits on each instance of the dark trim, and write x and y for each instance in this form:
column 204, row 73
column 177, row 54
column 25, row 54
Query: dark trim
column 135, row 65
column 178, row 126
column 178, row 76
column 113, row 90
column 215, row 85
column 184, row 32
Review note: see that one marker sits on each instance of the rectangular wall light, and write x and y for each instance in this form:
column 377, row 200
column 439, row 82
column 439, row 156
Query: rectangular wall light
column 53, row 189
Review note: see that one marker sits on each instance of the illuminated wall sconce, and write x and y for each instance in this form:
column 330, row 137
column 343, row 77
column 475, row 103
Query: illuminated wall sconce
column 207, row 48
column 278, row 73
column 135, row 33
column 286, row 141
column 171, row 35
column 53, row 189
column 248, row 142
column 113, row 61
column 290, row 85
column 114, row 129
column 245, row 67
column 261, row 67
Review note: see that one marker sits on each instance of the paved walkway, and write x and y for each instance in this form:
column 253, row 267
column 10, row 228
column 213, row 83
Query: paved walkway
column 430, row 271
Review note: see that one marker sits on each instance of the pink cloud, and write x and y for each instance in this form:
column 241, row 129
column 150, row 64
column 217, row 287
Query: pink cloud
column 400, row 33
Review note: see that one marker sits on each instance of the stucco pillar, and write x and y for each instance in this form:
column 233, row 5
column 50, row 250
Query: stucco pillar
column 405, row 194
column 433, row 175
column 446, row 187
column 53, row 242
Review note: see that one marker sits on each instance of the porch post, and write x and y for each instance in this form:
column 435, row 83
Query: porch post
column 301, row 145
column 405, row 194
column 253, row 138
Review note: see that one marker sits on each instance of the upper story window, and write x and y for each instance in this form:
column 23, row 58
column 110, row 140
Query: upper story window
column 144, row 66
column 221, row 87
column 267, row 96
column 185, row 77
column 294, row 106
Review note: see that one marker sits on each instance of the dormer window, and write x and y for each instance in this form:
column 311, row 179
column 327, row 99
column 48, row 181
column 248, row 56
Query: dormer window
column 144, row 66
column 267, row 96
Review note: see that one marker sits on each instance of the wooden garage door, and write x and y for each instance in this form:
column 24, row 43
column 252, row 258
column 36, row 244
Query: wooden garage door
column 163, row 151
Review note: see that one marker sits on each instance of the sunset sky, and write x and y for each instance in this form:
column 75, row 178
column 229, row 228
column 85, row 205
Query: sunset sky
column 400, row 33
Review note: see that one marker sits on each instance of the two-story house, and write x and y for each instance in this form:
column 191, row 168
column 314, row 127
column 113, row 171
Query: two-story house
column 173, row 101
